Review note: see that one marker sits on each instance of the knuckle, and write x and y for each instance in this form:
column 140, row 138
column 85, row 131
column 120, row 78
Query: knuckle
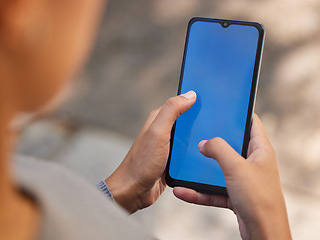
column 171, row 103
column 216, row 143
column 154, row 132
column 153, row 113
column 218, row 140
column 212, row 146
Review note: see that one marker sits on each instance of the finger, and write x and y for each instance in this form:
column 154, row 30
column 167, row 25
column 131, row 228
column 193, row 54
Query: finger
column 191, row 196
column 152, row 115
column 258, row 136
column 221, row 151
column 172, row 109
column 257, row 129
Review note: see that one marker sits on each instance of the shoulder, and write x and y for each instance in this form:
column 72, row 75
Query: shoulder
column 71, row 207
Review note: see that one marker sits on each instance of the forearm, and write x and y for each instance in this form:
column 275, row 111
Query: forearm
column 277, row 230
column 271, row 225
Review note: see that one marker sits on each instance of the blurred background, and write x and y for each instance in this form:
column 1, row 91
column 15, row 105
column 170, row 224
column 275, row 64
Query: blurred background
column 135, row 67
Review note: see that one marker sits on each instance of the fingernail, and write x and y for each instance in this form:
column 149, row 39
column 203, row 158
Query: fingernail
column 200, row 145
column 189, row 95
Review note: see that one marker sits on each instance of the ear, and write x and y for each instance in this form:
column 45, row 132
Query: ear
column 19, row 23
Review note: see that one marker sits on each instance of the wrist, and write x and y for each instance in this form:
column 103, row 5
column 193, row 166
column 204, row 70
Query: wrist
column 270, row 225
column 124, row 190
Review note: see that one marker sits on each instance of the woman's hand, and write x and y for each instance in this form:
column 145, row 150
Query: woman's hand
column 253, row 185
column 139, row 180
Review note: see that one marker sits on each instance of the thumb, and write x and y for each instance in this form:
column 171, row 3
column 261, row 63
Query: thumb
column 172, row 109
column 220, row 150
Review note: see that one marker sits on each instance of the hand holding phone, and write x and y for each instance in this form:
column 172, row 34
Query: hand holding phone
column 254, row 188
column 139, row 180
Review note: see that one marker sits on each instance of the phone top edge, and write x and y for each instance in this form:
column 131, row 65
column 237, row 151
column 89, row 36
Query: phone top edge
column 260, row 27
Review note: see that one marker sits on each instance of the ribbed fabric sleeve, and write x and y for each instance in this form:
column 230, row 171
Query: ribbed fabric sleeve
column 102, row 186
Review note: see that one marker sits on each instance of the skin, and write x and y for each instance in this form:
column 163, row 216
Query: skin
column 139, row 180
column 42, row 47
column 253, row 185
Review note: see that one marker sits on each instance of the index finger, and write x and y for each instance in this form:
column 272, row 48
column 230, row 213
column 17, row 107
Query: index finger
column 172, row 109
column 191, row 196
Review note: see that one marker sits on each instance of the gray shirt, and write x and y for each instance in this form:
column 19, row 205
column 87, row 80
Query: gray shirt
column 71, row 208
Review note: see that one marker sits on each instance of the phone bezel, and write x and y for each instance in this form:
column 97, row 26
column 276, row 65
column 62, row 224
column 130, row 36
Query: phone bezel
column 206, row 188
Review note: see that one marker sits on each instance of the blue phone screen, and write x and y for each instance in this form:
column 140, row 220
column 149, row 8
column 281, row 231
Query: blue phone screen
column 219, row 67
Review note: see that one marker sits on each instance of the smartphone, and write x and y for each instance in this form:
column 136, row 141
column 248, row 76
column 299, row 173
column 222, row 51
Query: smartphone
column 221, row 64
